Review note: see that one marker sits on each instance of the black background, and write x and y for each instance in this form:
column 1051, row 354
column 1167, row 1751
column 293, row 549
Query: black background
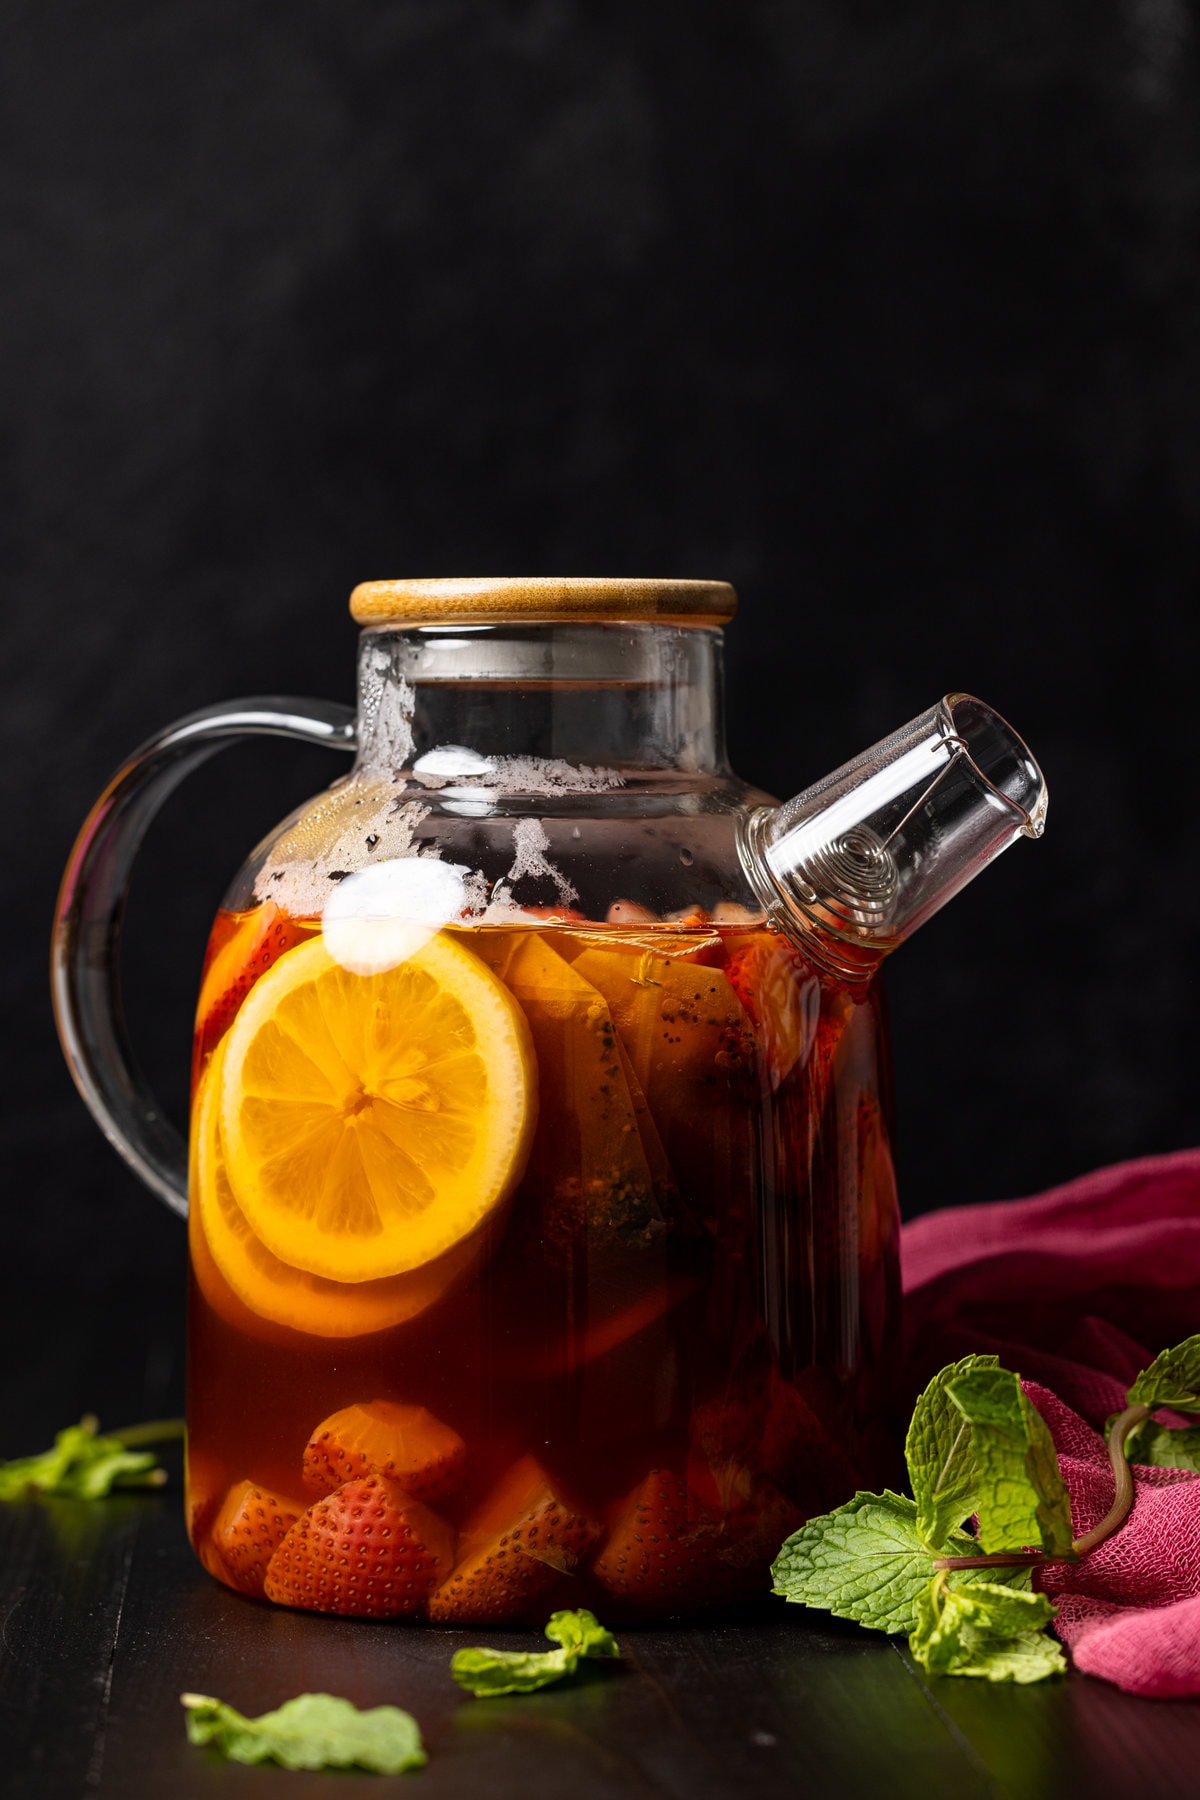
column 887, row 312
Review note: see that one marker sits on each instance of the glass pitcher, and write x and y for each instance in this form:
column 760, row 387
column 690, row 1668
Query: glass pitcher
column 543, row 1224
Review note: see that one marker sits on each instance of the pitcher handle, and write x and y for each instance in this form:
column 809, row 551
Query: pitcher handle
column 85, row 960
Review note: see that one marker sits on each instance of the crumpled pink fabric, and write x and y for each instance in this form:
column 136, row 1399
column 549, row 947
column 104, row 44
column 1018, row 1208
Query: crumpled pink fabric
column 1077, row 1289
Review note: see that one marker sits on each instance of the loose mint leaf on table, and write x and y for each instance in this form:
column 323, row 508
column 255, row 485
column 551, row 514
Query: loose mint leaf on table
column 83, row 1465
column 985, row 1630
column 1163, row 1446
column 942, row 1465
column 1173, row 1379
column 489, row 1672
column 313, row 1731
column 1021, row 1496
column 867, row 1562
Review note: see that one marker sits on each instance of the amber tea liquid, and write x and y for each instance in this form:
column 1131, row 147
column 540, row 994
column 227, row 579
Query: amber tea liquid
column 656, row 1354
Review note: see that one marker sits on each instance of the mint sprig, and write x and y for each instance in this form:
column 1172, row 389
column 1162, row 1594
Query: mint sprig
column 486, row 1673
column 82, row 1465
column 976, row 1446
column 313, row 1731
column 1172, row 1380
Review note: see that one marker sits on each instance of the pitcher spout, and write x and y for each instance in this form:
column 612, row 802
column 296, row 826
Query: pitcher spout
column 855, row 864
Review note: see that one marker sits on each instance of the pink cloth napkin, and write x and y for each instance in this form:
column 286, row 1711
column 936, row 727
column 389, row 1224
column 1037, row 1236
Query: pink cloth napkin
column 1077, row 1290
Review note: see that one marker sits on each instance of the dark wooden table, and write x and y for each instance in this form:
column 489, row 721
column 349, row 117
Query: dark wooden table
column 105, row 1618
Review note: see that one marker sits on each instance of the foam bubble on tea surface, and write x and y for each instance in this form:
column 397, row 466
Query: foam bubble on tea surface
column 380, row 916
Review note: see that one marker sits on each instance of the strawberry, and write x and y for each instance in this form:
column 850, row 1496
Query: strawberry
column 404, row 1443
column 800, row 1453
column 662, row 1550
column 370, row 1550
column 630, row 912
column 248, row 1530
column 690, row 918
column 729, row 1429
column 233, row 966
column 766, row 1426
column 526, row 1534
column 756, row 1536
column 782, row 997
column 721, row 1483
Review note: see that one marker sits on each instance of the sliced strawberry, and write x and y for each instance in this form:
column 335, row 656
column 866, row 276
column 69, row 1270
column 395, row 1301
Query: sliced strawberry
column 526, row 1534
column 757, row 1535
column 235, row 961
column 662, row 1552
column 248, row 1530
column 404, row 1443
column 370, row 1550
column 732, row 912
column 729, row 1429
column 766, row 1430
column 693, row 917
column 781, row 995
column 800, row 1453
column 630, row 912
column 722, row 1484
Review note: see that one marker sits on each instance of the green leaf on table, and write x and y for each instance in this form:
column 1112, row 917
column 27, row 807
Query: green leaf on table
column 1173, row 1379
column 942, row 1465
column 1022, row 1498
column 313, row 1731
column 1163, row 1446
column 985, row 1630
column 489, row 1672
column 83, row 1465
column 867, row 1562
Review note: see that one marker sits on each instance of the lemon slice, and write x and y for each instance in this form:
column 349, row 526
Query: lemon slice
column 372, row 1122
column 236, row 1271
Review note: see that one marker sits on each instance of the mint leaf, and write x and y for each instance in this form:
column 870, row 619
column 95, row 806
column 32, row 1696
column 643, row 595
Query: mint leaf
column 1022, row 1498
column 1031, row 1657
column 1163, row 1446
column 942, row 1465
column 84, row 1466
column 864, row 1561
column 1173, row 1379
column 867, row 1562
column 984, row 1630
column 313, row 1731
column 489, row 1672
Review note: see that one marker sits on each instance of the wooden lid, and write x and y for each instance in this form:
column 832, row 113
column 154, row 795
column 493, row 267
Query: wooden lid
column 542, row 599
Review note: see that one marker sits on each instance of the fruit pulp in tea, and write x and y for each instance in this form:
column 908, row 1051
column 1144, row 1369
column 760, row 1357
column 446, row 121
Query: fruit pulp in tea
column 552, row 1266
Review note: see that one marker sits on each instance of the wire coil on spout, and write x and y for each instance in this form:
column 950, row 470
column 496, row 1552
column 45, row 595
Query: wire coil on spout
column 852, row 880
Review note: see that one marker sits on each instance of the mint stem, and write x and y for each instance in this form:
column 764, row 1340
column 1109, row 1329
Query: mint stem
column 1001, row 1559
column 1122, row 1425
column 157, row 1431
column 1114, row 1518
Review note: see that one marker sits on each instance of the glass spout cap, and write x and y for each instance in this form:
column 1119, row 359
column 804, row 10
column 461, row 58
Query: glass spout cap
column 856, row 863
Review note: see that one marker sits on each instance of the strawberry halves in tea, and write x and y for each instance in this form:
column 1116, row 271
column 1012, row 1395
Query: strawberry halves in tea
column 539, row 1185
